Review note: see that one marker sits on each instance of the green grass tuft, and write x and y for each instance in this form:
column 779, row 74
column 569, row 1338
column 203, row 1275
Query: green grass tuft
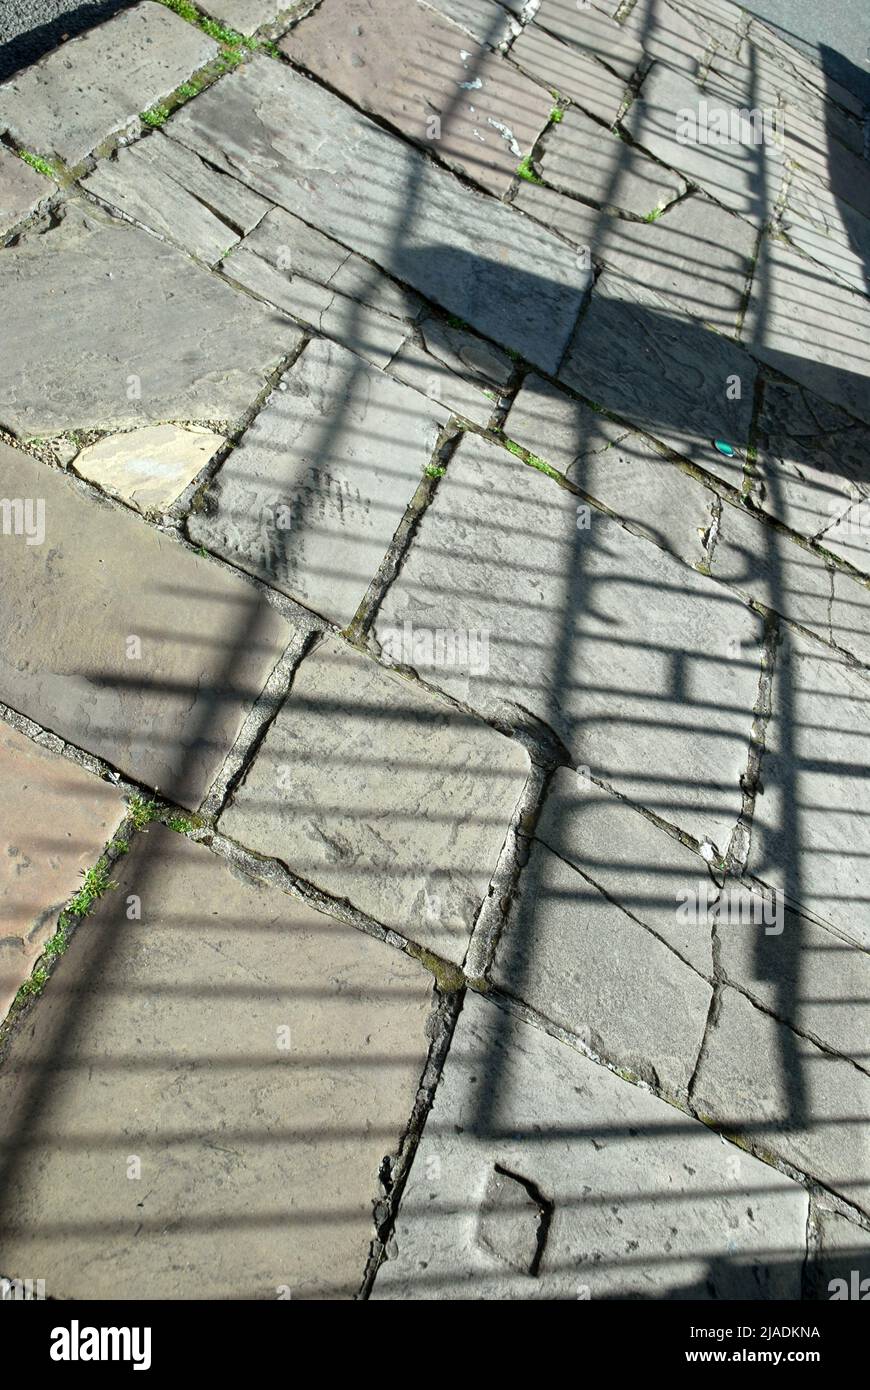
column 155, row 116
column 96, row 882
column 434, row 470
column 557, row 115
column 142, row 812
column 180, row 823
column 36, row 162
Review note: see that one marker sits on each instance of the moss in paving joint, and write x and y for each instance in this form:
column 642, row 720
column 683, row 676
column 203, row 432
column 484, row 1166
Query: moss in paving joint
column 556, row 115
column 434, row 470
column 533, row 460
column 525, row 170
column 155, row 116
column 142, row 811
column 42, row 166
column 448, row 977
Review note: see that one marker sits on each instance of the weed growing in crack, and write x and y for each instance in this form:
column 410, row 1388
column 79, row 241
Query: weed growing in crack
column 36, row 162
column 181, row 824
column 434, row 470
column 557, row 115
column 654, row 215
column 155, row 116
column 532, row 460
column 34, row 985
column 142, row 812
column 526, row 171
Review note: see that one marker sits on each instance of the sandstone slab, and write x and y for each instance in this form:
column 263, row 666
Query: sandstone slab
column 96, row 85
column 105, row 327
column 22, row 189
column 582, row 159
column 761, row 1081
column 641, row 1201
column 218, row 1083
column 578, row 959
column 810, row 838
column 644, row 694
column 570, row 73
column 378, row 792
column 154, row 675
column 616, row 467
column 681, row 383
column 299, row 145
column 56, row 819
column 399, row 61
column 313, row 495
column 806, row 325
column 151, row 467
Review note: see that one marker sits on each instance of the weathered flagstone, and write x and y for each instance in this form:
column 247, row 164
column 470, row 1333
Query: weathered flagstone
column 843, row 1254
column 849, row 538
column 666, row 35
column 620, row 469
column 484, row 20
column 136, row 183
column 665, row 120
column 151, row 467
column 254, row 1058
column 812, row 460
column 245, row 16
column 810, row 837
column 642, row 1201
column 399, row 61
column 577, row 958
column 298, row 144
column 643, row 870
column 761, row 1081
column 378, row 792
column 454, row 367
column 56, row 819
column 800, row 584
column 643, row 693
column 96, row 85
column 570, row 73
column 22, row 189
column 132, row 314
column 123, row 641
column 229, row 199
column 683, row 384
column 829, row 230
column 582, row 159
column 815, row 981
column 803, row 323
column 595, row 34
column 313, row 495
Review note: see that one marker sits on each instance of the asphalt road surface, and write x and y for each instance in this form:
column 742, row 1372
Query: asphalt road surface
column 837, row 32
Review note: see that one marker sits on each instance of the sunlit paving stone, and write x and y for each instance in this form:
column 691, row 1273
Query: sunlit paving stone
column 199, row 1105
column 311, row 499
column 398, row 60
column 131, row 62
column 378, row 792
column 151, row 467
column 542, row 1175
column 569, row 72
column 122, row 641
column 21, row 190
column 100, row 323
column 626, row 654
column 55, row 819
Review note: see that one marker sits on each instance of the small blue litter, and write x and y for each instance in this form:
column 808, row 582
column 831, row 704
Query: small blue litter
column 724, row 448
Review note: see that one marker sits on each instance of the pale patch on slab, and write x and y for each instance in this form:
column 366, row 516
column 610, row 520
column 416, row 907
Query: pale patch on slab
column 151, row 467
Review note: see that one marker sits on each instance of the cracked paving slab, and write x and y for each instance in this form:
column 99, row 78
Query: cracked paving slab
column 376, row 791
column 311, row 499
column 630, row 1198
column 302, row 147
column 572, row 74
column 252, row 1059
column 156, row 675
column 397, row 60
column 96, row 85
column 55, row 819
column 22, row 189
column 646, row 695
column 105, row 326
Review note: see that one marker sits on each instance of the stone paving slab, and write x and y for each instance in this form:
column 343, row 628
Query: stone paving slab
column 453, row 367
column 400, row 62
column 643, row 1202
column 312, row 498
column 681, row 381
column 794, row 581
column 812, row 459
column 815, row 331
column 257, row 1058
column 666, row 35
column 484, row 20
column 849, row 538
column 245, row 16
column 810, row 838
column 578, row 959
column 151, row 467
column 136, row 184
column 744, row 177
column 582, row 159
column 619, row 469
column 829, row 231
column 844, row 1250
column 131, row 62
column 760, row 1080
column 56, row 819
column 300, row 146
column 374, row 790
column 643, row 694
column 73, row 624
column 570, row 73
column 22, row 189
column 595, row 34
column 127, row 309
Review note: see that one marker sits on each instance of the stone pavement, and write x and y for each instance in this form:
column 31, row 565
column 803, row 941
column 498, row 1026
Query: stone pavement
column 435, row 656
